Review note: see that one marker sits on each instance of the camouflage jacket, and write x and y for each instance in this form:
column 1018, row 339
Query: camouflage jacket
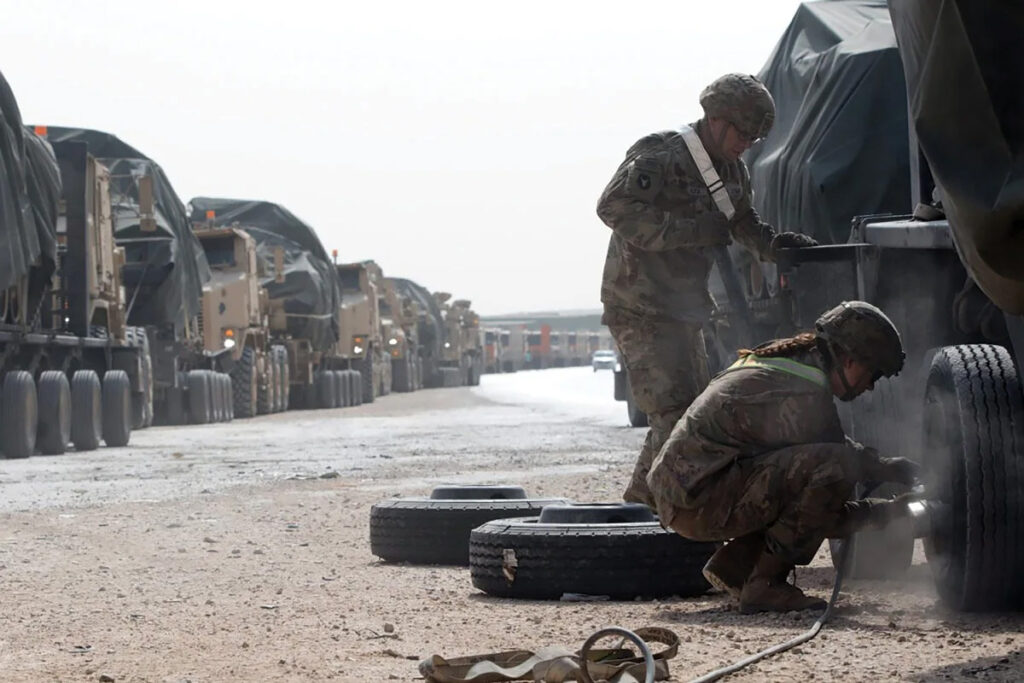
column 664, row 222
column 746, row 411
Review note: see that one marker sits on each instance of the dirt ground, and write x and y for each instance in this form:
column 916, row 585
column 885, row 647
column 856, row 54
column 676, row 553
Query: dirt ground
column 240, row 553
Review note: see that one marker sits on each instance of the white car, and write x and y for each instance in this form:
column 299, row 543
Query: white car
column 604, row 358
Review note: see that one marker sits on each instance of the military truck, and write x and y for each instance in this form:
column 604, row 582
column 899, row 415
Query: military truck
column 493, row 349
column 60, row 384
column 164, row 273
column 430, row 331
column 304, row 300
column 400, row 323
column 235, row 317
column 461, row 355
column 360, row 343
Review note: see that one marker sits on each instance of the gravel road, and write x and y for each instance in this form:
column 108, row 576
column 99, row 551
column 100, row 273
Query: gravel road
column 240, row 552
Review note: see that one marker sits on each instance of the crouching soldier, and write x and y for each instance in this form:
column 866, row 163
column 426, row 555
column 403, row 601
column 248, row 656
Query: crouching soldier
column 760, row 457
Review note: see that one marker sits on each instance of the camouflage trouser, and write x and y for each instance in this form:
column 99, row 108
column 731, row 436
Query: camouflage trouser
column 796, row 495
column 667, row 366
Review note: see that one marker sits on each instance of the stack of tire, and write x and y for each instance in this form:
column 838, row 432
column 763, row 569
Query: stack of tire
column 49, row 414
column 210, row 397
column 337, row 389
column 517, row 547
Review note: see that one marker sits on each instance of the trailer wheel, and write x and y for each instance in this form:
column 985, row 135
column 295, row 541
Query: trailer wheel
column 230, row 397
column 117, row 408
column 142, row 401
column 223, row 396
column 612, row 552
column 280, row 355
column 199, row 409
column 436, row 530
column 973, row 441
column 86, row 410
column 54, row 400
column 20, row 414
column 325, row 390
column 400, row 375
column 355, row 386
column 243, row 384
column 265, row 388
column 341, row 388
column 369, row 387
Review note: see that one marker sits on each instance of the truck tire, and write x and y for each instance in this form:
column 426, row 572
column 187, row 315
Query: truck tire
column 973, row 442
column 369, row 384
column 265, row 388
column 243, row 384
column 355, row 382
column 200, row 411
column 142, row 400
column 342, row 386
column 174, row 407
column 436, row 531
column 326, row 391
column 86, row 410
column 117, row 408
column 637, row 417
column 619, row 557
column 20, row 415
column 400, row 375
column 224, row 393
column 54, row 400
column 283, row 376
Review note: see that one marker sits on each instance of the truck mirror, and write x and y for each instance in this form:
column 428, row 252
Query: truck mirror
column 279, row 264
column 147, row 222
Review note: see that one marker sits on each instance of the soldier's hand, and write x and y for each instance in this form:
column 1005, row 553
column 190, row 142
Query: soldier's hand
column 899, row 471
column 792, row 240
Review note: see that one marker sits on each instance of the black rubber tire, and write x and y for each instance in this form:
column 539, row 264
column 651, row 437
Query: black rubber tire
column 54, row 401
column 356, row 386
column 223, row 396
column 623, row 561
column 86, row 410
column 342, row 387
column 283, row 376
column 19, row 415
column 142, row 400
column 200, row 411
column 216, row 407
column 117, row 408
column 477, row 492
column 265, row 388
column 230, row 397
column 637, row 417
column 401, row 377
column 175, row 409
column 429, row 531
column 326, row 391
column 973, row 442
column 368, row 385
column 243, row 384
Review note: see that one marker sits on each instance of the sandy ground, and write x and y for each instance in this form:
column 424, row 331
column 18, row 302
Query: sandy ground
column 240, row 552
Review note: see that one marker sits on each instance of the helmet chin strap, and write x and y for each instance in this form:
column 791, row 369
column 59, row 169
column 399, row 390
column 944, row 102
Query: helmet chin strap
column 848, row 393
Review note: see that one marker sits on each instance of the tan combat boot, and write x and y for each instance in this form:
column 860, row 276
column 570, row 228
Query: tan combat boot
column 768, row 591
column 730, row 566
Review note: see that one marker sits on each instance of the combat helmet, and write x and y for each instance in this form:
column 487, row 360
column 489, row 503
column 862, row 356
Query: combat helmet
column 743, row 101
column 864, row 332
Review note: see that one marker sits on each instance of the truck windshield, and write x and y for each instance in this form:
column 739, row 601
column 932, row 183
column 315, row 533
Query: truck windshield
column 220, row 251
column 349, row 279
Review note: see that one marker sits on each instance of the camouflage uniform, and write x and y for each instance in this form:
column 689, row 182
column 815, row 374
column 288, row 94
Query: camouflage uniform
column 655, row 284
column 762, row 450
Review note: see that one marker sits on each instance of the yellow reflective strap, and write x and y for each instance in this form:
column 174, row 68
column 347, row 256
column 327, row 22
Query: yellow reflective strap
column 791, row 367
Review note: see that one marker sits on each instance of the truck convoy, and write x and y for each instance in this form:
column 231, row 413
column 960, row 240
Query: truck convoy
column 61, row 384
column 461, row 354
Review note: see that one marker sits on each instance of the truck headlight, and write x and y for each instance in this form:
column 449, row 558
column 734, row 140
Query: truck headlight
column 229, row 343
column 357, row 349
column 447, row 345
column 392, row 342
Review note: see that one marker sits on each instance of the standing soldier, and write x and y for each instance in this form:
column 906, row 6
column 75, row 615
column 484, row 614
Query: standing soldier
column 677, row 195
column 760, row 457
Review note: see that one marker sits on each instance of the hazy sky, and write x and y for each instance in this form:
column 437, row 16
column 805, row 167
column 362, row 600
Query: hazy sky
column 460, row 144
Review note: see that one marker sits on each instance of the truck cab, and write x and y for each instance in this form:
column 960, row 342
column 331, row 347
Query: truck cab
column 359, row 339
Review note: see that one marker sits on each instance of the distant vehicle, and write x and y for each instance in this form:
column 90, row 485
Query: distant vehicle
column 603, row 358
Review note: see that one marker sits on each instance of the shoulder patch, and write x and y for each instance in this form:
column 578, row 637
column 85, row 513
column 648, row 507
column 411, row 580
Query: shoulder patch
column 645, row 177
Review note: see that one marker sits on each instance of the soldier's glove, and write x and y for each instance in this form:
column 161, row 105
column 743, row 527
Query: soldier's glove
column 792, row 240
column 897, row 470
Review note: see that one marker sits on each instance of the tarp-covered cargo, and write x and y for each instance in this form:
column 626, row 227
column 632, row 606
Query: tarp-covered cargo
column 165, row 268
column 29, row 193
column 310, row 290
column 839, row 145
column 430, row 327
column 965, row 85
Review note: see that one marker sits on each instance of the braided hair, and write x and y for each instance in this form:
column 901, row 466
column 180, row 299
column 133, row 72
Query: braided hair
column 783, row 348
